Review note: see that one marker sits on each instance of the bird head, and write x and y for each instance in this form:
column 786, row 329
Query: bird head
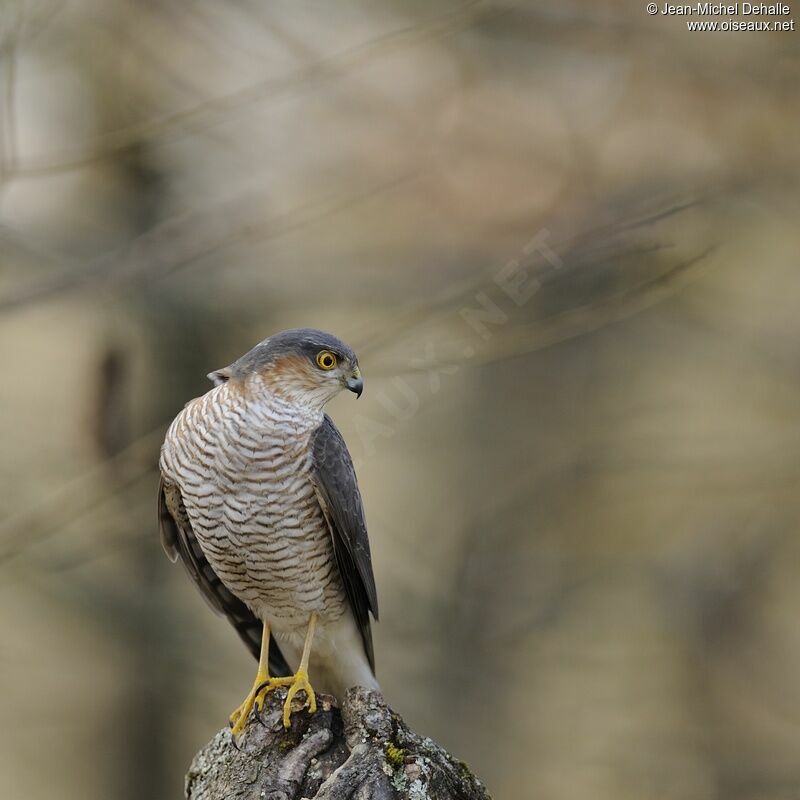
column 303, row 366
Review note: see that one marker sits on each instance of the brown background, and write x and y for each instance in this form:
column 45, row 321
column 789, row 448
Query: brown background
column 583, row 523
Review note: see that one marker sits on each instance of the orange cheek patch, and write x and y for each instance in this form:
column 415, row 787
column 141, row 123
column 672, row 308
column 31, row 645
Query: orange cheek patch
column 294, row 370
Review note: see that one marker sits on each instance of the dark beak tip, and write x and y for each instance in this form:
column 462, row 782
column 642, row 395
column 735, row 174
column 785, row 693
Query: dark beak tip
column 356, row 386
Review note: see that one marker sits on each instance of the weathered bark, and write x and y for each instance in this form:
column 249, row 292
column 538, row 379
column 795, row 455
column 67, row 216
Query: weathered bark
column 363, row 752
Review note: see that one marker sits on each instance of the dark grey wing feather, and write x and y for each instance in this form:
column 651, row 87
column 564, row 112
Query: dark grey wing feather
column 179, row 541
column 337, row 489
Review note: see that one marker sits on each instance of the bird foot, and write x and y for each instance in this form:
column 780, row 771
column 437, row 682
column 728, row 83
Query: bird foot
column 262, row 686
column 298, row 682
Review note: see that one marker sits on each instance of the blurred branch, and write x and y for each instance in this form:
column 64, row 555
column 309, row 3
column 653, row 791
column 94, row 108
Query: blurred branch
column 364, row 751
column 45, row 517
column 585, row 241
column 593, row 316
column 581, row 256
column 176, row 243
column 28, row 24
column 191, row 120
column 8, row 135
column 8, row 126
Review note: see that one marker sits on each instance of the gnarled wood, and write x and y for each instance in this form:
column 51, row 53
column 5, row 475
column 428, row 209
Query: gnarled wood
column 363, row 752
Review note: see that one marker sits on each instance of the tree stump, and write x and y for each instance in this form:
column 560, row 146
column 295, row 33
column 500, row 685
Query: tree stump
column 364, row 751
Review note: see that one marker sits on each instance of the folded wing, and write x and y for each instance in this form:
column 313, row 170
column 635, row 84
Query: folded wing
column 335, row 483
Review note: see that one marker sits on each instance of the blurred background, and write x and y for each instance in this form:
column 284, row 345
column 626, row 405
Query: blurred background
column 563, row 239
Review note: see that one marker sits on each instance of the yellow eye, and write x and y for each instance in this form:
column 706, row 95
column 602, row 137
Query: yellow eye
column 326, row 359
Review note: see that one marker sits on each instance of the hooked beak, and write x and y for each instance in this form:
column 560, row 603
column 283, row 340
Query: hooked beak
column 355, row 383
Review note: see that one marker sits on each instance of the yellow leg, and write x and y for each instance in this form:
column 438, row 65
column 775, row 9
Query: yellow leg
column 262, row 684
column 300, row 680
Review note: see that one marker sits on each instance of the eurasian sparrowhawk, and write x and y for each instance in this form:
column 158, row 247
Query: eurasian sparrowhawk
column 258, row 498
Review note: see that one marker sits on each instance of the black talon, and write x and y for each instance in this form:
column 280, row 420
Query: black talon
column 255, row 702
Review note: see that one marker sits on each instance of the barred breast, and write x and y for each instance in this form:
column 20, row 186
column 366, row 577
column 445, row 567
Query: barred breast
column 242, row 461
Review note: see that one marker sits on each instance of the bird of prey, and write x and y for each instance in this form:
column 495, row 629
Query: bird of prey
column 258, row 498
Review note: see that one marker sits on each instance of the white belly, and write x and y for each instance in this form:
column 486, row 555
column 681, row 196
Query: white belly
column 337, row 656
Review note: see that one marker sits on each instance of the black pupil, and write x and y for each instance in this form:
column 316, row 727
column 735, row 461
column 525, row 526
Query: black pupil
column 327, row 360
